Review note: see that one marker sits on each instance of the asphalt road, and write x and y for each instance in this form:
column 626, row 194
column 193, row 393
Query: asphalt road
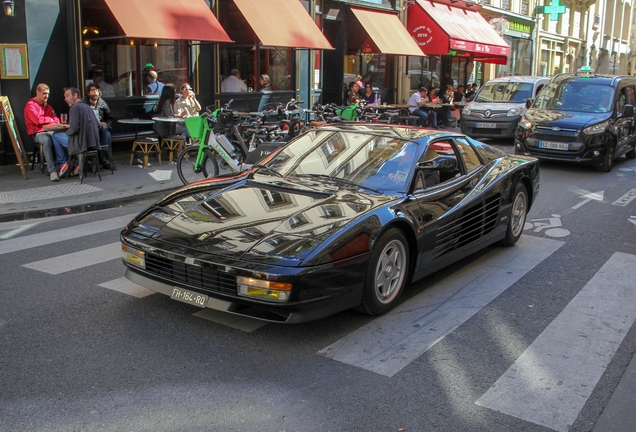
column 78, row 355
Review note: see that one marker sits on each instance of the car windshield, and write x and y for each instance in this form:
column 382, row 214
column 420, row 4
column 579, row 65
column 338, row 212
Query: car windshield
column 575, row 96
column 504, row 92
column 374, row 161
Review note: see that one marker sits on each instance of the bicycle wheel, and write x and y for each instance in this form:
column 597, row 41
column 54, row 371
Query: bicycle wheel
column 185, row 165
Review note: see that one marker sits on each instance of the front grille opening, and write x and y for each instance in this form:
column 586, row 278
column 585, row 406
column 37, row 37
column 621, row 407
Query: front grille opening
column 199, row 277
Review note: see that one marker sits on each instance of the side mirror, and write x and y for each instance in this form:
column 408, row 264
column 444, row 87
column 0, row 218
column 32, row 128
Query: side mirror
column 440, row 163
column 628, row 111
column 529, row 102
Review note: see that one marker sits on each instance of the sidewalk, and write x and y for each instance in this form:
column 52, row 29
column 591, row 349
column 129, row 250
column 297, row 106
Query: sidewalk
column 38, row 196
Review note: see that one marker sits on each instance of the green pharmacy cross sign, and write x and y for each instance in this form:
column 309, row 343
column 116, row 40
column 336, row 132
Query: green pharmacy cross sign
column 554, row 9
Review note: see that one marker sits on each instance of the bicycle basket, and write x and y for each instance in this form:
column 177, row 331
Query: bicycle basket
column 196, row 127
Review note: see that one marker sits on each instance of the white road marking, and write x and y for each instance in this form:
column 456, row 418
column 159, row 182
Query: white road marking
column 596, row 196
column 230, row 320
column 55, row 236
column 125, row 286
column 77, row 260
column 632, row 219
column 392, row 341
column 625, row 199
column 551, row 381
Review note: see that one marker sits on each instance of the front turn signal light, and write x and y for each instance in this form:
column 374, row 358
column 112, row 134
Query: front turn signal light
column 263, row 289
column 134, row 256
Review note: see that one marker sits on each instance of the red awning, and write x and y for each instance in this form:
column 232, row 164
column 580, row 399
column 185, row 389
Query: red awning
column 282, row 23
column 439, row 28
column 168, row 19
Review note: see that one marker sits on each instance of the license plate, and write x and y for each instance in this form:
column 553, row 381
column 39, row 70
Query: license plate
column 553, row 145
column 486, row 125
column 189, row 297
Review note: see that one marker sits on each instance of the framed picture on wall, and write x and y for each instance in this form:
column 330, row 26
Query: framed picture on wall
column 14, row 61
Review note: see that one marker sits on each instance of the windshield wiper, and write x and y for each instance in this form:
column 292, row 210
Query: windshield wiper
column 340, row 180
column 267, row 169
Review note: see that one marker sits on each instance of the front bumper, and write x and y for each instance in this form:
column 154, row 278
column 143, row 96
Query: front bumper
column 504, row 126
column 578, row 151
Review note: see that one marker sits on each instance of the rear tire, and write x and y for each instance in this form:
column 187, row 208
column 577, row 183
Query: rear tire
column 517, row 218
column 608, row 162
column 185, row 165
column 387, row 274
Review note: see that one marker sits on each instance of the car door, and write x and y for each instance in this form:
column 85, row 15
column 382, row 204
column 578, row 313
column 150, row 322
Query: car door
column 624, row 126
column 451, row 210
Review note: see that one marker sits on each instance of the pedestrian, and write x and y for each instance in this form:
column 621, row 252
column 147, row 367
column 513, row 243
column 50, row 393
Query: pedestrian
column 233, row 83
column 102, row 113
column 83, row 131
column 37, row 114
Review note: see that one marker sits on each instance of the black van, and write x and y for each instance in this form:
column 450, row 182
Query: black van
column 581, row 117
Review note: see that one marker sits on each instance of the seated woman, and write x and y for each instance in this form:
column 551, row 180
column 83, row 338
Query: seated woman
column 165, row 108
column 353, row 95
column 265, row 82
column 369, row 95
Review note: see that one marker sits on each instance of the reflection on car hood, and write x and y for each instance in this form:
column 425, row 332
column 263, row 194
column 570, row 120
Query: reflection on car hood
column 271, row 220
column 564, row 119
column 494, row 106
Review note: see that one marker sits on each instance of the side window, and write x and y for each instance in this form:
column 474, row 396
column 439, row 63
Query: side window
column 468, row 155
column 427, row 178
column 621, row 100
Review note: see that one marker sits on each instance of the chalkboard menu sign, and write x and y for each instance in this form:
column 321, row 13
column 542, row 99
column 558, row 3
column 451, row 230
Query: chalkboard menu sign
column 9, row 120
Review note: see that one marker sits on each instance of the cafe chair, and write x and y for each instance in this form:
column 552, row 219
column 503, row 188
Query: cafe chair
column 174, row 144
column 83, row 157
column 38, row 153
column 145, row 146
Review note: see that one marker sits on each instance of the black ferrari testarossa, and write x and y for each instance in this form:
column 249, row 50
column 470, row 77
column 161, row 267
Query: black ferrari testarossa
column 343, row 216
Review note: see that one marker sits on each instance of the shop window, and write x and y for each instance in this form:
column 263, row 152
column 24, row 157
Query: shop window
column 118, row 64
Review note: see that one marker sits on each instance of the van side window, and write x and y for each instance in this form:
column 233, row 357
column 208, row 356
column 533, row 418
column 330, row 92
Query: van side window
column 538, row 89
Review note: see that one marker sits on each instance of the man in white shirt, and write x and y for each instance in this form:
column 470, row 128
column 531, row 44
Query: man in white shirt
column 233, row 83
column 416, row 106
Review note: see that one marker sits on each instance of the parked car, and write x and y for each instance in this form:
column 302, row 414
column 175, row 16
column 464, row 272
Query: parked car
column 341, row 217
column 581, row 117
column 497, row 107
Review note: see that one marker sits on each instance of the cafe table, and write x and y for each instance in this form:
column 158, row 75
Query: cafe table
column 136, row 122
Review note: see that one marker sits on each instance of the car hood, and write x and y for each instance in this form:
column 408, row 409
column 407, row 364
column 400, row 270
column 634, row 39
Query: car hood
column 564, row 119
column 494, row 106
column 266, row 219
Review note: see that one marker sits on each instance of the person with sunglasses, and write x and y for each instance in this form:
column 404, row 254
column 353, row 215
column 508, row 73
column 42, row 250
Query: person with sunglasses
column 187, row 105
column 369, row 95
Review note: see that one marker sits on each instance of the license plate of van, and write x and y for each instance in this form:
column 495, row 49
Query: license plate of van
column 553, row 145
column 486, row 125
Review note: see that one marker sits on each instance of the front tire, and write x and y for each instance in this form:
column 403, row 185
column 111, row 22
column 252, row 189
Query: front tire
column 608, row 162
column 185, row 165
column 387, row 274
column 517, row 218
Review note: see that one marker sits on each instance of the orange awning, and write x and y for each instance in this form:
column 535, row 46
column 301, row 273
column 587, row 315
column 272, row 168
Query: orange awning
column 168, row 19
column 282, row 23
column 387, row 32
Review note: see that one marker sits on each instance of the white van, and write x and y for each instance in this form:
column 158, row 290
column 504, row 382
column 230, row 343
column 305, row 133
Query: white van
column 497, row 107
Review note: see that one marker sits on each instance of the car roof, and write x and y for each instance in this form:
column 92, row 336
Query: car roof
column 609, row 80
column 519, row 78
column 410, row 133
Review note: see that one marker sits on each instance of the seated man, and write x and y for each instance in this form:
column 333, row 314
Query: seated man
column 37, row 114
column 83, row 126
column 153, row 87
column 102, row 112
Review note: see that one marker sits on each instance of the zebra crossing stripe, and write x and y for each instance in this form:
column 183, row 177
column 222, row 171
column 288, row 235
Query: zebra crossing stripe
column 392, row 341
column 551, row 381
column 125, row 286
column 77, row 260
column 55, row 236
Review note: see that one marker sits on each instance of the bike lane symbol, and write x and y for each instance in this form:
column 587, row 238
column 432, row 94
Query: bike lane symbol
column 550, row 226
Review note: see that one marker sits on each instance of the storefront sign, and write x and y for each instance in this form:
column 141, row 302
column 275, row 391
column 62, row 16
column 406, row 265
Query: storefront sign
column 14, row 61
column 423, row 35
